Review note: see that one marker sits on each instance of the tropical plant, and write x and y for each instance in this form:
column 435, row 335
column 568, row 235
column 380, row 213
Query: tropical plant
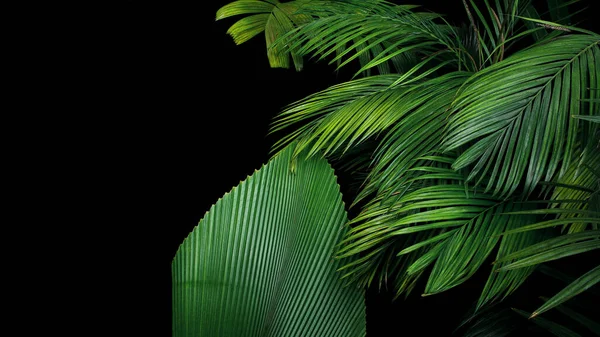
column 259, row 262
column 467, row 144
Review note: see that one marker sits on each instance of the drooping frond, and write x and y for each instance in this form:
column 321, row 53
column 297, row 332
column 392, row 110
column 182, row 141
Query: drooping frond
column 260, row 263
column 321, row 115
column 376, row 33
column 568, row 206
column 348, row 114
column 576, row 287
column 552, row 249
column 573, row 202
column 274, row 18
column 593, row 119
column 457, row 147
column 468, row 249
column 500, row 285
column 493, row 27
column 417, row 135
column 512, row 118
column 459, row 227
column 579, row 187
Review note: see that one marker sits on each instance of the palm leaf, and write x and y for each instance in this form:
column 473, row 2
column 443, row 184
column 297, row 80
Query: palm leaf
column 340, row 115
column 498, row 23
column 571, row 204
column 512, row 117
column 552, row 249
column 274, row 18
column 414, row 136
column 346, row 115
column 560, row 276
column 375, row 32
column 580, row 187
column 458, row 226
column 467, row 250
column 501, row 284
column 260, row 261
column 494, row 320
column 573, row 289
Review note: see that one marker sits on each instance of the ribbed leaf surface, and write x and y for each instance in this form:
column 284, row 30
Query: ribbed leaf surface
column 260, row 261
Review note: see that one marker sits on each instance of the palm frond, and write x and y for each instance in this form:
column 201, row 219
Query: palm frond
column 572, row 203
column 414, row 136
column 376, row 33
column 498, row 23
column 577, row 316
column 552, row 249
column 512, row 117
column 274, row 18
column 501, row 284
column 576, row 287
column 460, row 228
column 322, row 116
column 346, row 115
column 590, row 324
column 562, row 277
column 467, row 250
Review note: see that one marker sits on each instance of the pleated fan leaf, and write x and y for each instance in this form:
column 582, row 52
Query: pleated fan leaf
column 260, row 261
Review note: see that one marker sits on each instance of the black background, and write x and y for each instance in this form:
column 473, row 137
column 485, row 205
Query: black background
column 186, row 113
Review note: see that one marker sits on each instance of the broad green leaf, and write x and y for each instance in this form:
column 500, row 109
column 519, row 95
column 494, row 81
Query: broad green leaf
column 260, row 261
